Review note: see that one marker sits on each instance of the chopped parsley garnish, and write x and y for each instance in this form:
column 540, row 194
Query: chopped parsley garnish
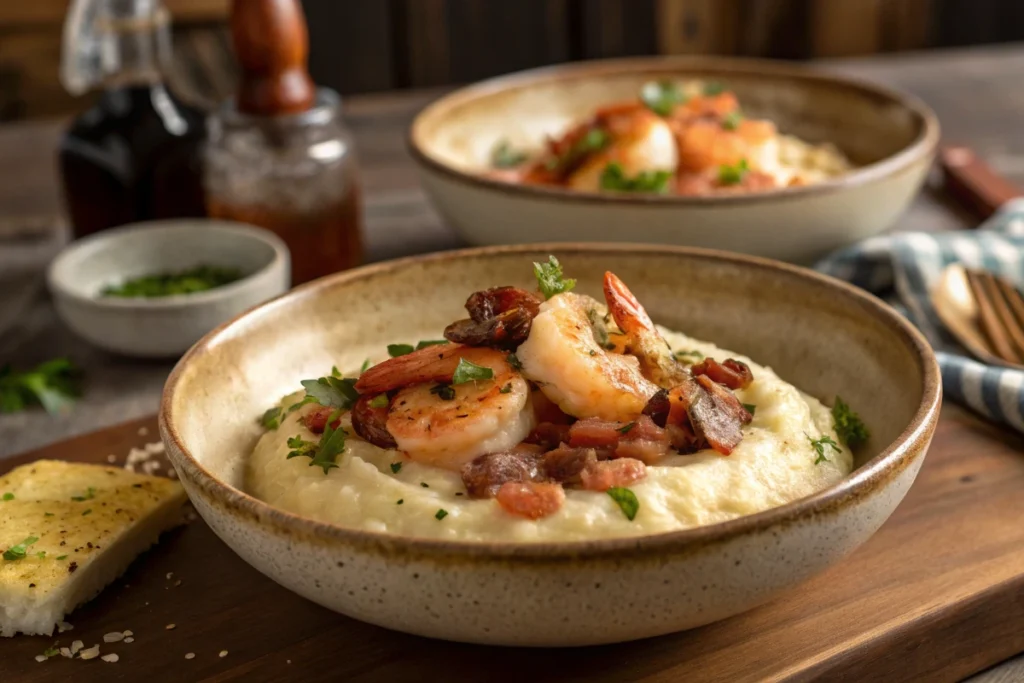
column 615, row 179
column 198, row 279
column 324, row 453
column 443, row 391
column 333, row 392
column 87, row 512
column 380, row 401
column 600, row 328
column 396, row 350
column 731, row 121
column 626, row 500
column 47, row 514
column 468, row 371
column 750, row 408
column 712, row 88
column 503, row 156
column 733, row 175
column 507, row 389
column 687, row 355
column 440, row 514
column 396, row 467
column 51, row 652
column 271, row 419
column 513, row 361
column 41, row 554
column 18, row 552
column 54, row 385
column 365, row 366
column 424, row 484
column 8, row 496
column 306, row 399
column 593, row 140
column 550, row 279
column 335, row 372
column 424, row 343
column 62, row 557
column 851, row 429
column 661, row 97
column 626, row 428
column 400, row 501
column 819, row 447
column 89, row 494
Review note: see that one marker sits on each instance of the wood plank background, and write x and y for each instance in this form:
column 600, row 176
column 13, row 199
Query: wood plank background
column 372, row 45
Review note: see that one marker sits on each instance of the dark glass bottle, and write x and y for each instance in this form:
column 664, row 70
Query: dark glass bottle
column 136, row 154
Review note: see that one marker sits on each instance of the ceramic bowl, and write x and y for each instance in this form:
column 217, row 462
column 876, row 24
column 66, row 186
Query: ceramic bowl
column 165, row 326
column 822, row 335
column 890, row 136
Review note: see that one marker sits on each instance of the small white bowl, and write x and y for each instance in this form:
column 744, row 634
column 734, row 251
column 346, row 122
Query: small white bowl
column 163, row 326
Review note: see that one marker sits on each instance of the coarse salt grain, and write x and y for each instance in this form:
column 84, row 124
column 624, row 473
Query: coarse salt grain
column 41, row 658
column 155, row 447
column 169, row 627
column 129, row 633
column 190, row 655
column 110, row 658
column 111, row 458
column 76, row 646
column 91, row 653
column 65, row 652
column 178, row 582
column 113, row 637
column 143, row 431
column 63, row 626
column 170, row 575
column 223, row 653
column 129, row 639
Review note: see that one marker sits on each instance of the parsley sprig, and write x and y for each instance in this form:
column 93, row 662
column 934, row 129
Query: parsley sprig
column 18, row 552
column 732, row 120
column 325, row 452
column 819, row 446
column 468, row 371
column 54, row 385
column 661, row 97
column 652, row 182
column 626, row 500
column 504, row 156
column 333, row 391
column 594, row 140
column 851, row 429
column 550, row 279
column 733, row 175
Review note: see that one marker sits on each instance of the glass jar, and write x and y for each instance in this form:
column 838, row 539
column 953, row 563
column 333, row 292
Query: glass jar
column 294, row 175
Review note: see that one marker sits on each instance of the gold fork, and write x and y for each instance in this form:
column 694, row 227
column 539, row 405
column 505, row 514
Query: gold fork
column 984, row 312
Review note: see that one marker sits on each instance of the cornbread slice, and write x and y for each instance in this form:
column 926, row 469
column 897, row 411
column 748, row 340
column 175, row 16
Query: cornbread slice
column 89, row 523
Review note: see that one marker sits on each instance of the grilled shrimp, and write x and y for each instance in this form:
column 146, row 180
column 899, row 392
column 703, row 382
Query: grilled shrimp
column 447, row 426
column 572, row 369
column 644, row 341
column 706, row 144
column 641, row 141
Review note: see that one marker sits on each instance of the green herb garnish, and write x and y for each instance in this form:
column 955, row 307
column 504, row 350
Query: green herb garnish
column 424, row 484
column 8, row 496
column 396, row 467
column 324, row 453
column 51, row 652
column 593, row 140
column 47, row 514
column 400, row 501
column 271, row 419
column 424, row 343
column 626, row 499
column 87, row 512
column 851, row 429
column 333, row 392
column 712, row 88
column 468, row 371
column 440, row 514
column 503, row 156
column 600, row 329
column 18, row 552
column 661, row 97
column 62, row 557
column 380, row 401
column 295, row 406
column 750, row 408
column 513, row 361
column 819, row 447
column 89, row 494
column 365, row 366
column 443, row 391
column 686, row 355
column 198, row 279
column 54, row 385
column 550, row 279
column 626, row 429
column 41, row 554
column 396, row 350
column 731, row 121
column 733, row 175
column 614, row 178
column 507, row 389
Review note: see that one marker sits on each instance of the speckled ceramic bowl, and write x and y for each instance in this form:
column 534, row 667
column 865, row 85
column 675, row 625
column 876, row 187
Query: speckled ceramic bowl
column 890, row 136
column 820, row 334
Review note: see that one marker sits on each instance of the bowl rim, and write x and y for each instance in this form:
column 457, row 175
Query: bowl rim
column 922, row 147
column 892, row 460
column 280, row 258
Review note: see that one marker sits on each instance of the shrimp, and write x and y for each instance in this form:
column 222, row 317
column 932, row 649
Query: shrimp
column 448, row 426
column 644, row 341
column 641, row 141
column 705, row 144
column 582, row 377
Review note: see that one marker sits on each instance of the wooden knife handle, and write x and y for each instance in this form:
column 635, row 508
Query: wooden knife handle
column 974, row 183
column 272, row 46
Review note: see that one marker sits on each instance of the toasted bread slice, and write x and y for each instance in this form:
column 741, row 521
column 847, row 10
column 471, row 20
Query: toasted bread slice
column 69, row 529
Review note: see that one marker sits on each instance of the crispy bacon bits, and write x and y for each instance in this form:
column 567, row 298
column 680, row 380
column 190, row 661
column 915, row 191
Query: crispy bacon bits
column 710, row 411
column 316, row 419
column 500, row 317
column 370, row 422
column 529, row 499
column 485, row 475
column 731, row 373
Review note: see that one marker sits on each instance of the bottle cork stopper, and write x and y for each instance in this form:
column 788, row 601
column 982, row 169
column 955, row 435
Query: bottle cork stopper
column 272, row 46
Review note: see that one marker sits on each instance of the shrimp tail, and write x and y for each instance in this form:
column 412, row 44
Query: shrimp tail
column 628, row 313
column 429, row 364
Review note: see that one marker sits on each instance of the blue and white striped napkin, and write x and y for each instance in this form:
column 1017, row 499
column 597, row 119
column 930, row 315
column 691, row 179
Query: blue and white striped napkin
column 903, row 269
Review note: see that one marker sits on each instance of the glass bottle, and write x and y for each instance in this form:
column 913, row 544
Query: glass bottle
column 294, row 174
column 135, row 155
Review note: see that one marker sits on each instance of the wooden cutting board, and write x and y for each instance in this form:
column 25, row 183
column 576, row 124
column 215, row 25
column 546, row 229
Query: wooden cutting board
column 936, row 594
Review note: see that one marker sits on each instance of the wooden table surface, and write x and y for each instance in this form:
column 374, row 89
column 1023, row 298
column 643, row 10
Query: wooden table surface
column 971, row 90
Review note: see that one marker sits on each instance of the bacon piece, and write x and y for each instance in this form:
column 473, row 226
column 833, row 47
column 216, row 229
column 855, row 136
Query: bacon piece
column 602, row 475
column 714, row 413
column 549, row 434
column 489, row 303
column 316, row 419
column 371, row 423
column 565, row 464
column 593, row 432
column 530, row 499
column 657, row 407
column 732, row 373
column 484, row 475
column 499, row 317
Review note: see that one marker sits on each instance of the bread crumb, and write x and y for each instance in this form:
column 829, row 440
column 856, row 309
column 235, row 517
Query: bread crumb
column 110, row 658
column 190, row 655
column 91, row 653
column 223, row 653
column 169, row 627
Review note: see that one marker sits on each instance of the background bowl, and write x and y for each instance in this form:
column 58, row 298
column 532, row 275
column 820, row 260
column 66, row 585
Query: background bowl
column 163, row 326
column 891, row 137
column 824, row 336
